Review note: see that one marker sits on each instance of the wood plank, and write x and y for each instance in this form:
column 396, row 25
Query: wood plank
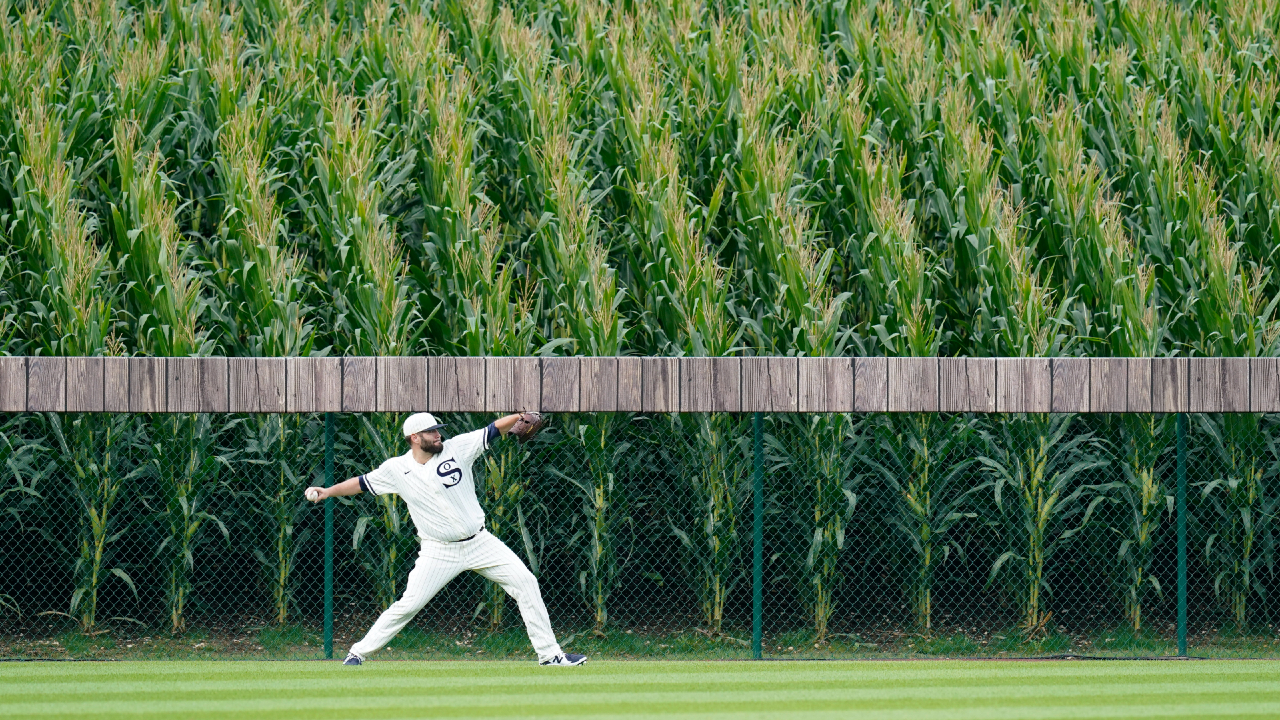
column 457, row 384
column 1108, row 385
column 1205, row 384
column 47, row 384
column 770, row 384
column 242, row 385
column 527, row 379
column 1070, row 381
column 444, row 392
column 499, row 395
column 146, row 385
column 13, row 384
column 812, row 392
column 300, row 384
column 726, row 384
column 839, row 384
column 695, row 384
column 256, row 385
column 630, row 382
column 870, row 384
column 1037, row 384
column 784, row 383
column 659, row 385
column 1138, row 384
column 560, row 384
column 470, row 372
column 1170, row 391
column 826, row 384
column 182, row 382
column 1235, row 385
column 1009, row 397
column 599, row 378
column 84, row 384
column 953, row 385
column 328, row 384
column 402, row 384
column 359, row 384
column 913, row 384
column 755, row 384
column 982, row 384
column 115, row 384
column 214, row 394
column 1264, row 385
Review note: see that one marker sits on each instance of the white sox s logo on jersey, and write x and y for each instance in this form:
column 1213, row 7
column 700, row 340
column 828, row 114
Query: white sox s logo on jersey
column 447, row 470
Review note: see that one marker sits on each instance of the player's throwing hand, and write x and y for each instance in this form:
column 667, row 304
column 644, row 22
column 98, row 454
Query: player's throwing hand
column 314, row 494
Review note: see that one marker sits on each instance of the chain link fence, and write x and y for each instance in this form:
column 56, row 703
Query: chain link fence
column 878, row 535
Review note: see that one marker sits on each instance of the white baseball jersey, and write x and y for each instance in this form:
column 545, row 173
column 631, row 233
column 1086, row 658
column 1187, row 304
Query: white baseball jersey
column 441, row 494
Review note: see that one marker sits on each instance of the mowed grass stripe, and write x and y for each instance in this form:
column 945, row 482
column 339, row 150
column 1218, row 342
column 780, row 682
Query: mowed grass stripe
column 634, row 689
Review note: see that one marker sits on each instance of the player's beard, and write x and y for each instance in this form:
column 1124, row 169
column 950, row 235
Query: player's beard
column 432, row 446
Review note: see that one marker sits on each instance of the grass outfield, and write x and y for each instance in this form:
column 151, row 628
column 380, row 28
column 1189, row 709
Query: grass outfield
column 915, row 689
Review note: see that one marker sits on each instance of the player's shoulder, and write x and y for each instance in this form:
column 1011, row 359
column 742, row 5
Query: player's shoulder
column 396, row 461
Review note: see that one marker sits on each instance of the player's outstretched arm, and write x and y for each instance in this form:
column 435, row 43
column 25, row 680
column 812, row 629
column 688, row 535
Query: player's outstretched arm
column 342, row 489
column 505, row 423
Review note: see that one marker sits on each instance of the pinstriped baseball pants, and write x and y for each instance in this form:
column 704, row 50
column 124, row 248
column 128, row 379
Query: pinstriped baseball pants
column 438, row 563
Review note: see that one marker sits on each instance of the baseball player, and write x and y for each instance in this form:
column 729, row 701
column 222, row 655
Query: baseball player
column 434, row 479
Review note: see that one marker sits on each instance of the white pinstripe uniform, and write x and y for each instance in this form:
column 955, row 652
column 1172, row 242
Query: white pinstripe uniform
column 441, row 496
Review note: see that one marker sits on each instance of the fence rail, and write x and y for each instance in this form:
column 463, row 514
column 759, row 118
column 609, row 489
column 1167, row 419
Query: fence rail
column 630, row 384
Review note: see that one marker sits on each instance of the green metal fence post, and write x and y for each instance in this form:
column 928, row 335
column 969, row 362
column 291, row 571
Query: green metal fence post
column 328, row 538
column 757, row 540
column 1182, row 534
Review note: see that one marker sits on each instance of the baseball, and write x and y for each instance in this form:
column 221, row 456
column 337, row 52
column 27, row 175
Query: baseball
column 313, row 494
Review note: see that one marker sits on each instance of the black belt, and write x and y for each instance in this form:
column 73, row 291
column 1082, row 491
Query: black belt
column 467, row 538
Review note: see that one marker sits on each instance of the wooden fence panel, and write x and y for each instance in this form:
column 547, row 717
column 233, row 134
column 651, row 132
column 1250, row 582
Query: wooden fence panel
column 146, row 385
column 770, row 384
column 695, row 384
column 47, row 384
column 1264, row 385
column 726, row 384
column 115, row 384
column 1138, row 386
column 560, row 384
column 402, row 384
column 84, row 384
column 1009, row 398
column 659, row 385
column 1170, row 391
column 630, row 384
column 1070, row 385
column 913, row 384
column 1037, row 384
column 13, row 384
column 599, row 377
column 359, row 384
column 182, row 382
column 826, row 385
column 1235, row 385
column 1108, row 385
column 454, row 384
column 1205, row 383
column 214, row 395
column 499, row 390
column 953, row 384
column 300, row 392
column 870, row 384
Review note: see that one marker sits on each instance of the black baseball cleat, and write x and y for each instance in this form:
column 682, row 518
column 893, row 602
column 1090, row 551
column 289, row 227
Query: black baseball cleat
column 565, row 660
column 353, row 659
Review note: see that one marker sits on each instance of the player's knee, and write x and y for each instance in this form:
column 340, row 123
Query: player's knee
column 523, row 584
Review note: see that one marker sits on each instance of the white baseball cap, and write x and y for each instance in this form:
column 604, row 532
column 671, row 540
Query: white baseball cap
column 420, row 422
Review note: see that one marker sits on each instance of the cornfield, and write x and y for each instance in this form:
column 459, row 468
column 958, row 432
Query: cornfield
column 280, row 178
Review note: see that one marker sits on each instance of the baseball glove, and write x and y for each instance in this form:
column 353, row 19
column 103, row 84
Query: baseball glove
column 527, row 426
